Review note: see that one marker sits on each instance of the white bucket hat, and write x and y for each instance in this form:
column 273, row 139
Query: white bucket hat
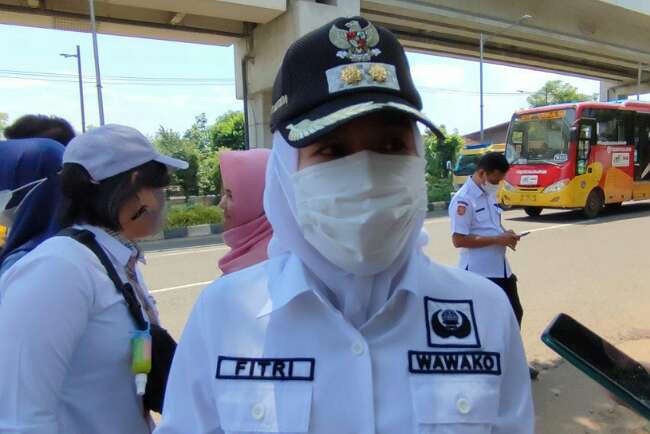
column 113, row 149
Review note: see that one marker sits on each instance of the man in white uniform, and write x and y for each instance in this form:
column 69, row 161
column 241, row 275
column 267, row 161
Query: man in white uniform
column 348, row 327
column 477, row 230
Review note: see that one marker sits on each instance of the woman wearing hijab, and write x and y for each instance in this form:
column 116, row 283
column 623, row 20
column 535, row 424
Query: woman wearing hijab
column 348, row 327
column 247, row 231
column 76, row 319
column 31, row 186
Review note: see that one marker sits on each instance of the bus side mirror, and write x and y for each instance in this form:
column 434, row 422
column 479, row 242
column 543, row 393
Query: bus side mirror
column 574, row 135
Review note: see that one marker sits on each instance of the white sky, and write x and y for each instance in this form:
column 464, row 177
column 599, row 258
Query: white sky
column 30, row 56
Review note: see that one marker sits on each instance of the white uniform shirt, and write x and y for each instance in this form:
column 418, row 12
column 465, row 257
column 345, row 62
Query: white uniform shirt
column 65, row 336
column 474, row 212
column 442, row 356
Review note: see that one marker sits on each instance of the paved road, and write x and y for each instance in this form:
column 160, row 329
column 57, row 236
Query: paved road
column 597, row 271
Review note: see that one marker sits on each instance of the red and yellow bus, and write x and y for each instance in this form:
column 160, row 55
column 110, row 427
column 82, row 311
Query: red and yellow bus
column 578, row 156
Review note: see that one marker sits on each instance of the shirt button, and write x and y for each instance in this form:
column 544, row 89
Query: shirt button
column 357, row 348
column 463, row 406
column 258, row 411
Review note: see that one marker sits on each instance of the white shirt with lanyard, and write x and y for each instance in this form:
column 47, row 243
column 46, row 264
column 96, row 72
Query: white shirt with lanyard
column 65, row 337
column 474, row 212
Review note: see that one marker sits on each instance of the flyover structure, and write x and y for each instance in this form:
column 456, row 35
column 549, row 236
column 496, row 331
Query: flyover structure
column 606, row 40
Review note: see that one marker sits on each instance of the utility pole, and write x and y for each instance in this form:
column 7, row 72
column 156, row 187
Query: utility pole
column 481, row 43
column 81, row 88
column 100, row 101
column 483, row 39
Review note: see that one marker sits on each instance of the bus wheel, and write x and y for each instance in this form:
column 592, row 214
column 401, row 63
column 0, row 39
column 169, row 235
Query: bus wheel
column 594, row 205
column 533, row 211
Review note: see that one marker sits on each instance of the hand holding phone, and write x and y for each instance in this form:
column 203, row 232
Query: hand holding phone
column 621, row 375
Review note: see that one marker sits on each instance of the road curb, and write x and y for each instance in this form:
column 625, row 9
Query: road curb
column 438, row 206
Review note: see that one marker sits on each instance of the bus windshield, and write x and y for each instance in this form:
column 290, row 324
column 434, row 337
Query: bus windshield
column 542, row 137
column 466, row 165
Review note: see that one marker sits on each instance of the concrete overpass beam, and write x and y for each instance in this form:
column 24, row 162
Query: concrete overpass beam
column 611, row 90
column 261, row 54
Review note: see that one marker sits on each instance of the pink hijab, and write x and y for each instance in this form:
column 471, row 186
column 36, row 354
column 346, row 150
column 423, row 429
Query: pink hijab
column 243, row 173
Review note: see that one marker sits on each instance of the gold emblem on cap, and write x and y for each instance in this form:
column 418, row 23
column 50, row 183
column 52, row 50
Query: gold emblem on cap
column 351, row 74
column 378, row 73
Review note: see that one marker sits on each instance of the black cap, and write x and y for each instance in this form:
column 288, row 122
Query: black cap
column 346, row 69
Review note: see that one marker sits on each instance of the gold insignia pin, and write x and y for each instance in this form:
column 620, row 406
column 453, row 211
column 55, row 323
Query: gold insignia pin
column 378, row 73
column 351, row 74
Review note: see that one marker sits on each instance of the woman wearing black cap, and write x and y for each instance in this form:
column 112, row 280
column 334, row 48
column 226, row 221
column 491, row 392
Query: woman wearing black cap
column 348, row 327
column 75, row 339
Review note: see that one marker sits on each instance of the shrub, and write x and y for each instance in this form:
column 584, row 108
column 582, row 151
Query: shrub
column 439, row 190
column 182, row 216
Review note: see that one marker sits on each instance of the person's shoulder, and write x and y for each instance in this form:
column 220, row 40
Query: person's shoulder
column 61, row 250
column 242, row 288
column 461, row 197
column 59, row 261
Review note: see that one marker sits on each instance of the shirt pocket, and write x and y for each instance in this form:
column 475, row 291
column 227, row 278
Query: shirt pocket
column 482, row 214
column 251, row 407
column 448, row 405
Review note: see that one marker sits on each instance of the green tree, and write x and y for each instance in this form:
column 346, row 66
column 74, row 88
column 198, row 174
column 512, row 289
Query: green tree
column 437, row 154
column 556, row 92
column 4, row 120
column 209, row 174
column 228, row 131
column 199, row 133
column 170, row 143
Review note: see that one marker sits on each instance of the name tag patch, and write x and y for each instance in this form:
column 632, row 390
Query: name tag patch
column 241, row 368
column 470, row 362
column 451, row 323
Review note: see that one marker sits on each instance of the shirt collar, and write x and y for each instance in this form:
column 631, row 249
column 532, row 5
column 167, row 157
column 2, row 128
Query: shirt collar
column 119, row 250
column 287, row 280
column 473, row 189
column 131, row 245
column 292, row 278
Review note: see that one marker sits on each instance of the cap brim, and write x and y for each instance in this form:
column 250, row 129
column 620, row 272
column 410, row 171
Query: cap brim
column 172, row 163
column 305, row 129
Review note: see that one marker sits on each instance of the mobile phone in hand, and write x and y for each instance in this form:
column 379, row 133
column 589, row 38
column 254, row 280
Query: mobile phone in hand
column 622, row 376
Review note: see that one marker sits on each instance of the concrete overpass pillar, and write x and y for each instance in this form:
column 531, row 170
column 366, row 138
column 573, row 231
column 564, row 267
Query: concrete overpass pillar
column 261, row 54
column 607, row 90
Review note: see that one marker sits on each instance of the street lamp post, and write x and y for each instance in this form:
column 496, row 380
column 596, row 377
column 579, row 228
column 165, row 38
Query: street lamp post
column 81, row 89
column 482, row 41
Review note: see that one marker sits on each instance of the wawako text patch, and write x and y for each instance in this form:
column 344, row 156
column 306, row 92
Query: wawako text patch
column 461, row 362
column 240, row 368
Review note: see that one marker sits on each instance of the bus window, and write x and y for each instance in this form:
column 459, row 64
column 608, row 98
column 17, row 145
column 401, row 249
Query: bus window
column 540, row 137
column 610, row 125
column 585, row 140
column 513, row 152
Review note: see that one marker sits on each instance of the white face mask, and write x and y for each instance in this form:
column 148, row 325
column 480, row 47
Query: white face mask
column 490, row 189
column 359, row 211
column 7, row 216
